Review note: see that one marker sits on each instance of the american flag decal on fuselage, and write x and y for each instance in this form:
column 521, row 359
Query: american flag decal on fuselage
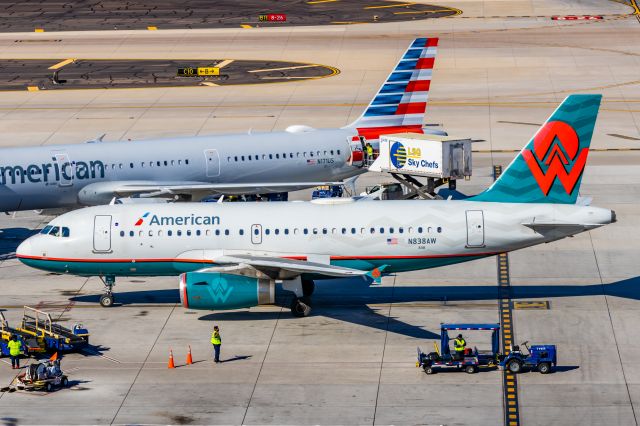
column 401, row 102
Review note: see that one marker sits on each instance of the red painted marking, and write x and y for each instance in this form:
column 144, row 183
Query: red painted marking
column 431, row 42
column 411, row 108
column 418, row 86
column 577, row 18
column 425, row 63
column 548, row 146
column 375, row 132
column 139, row 222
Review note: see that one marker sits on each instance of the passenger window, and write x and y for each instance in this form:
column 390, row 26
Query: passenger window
column 334, row 230
column 382, row 230
column 257, row 157
column 198, row 232
column 372, row 230
column 179, row 233
column 158, row 163
column 264, row 156
column 391, row 230
column 315, row 231
column 267, row 231
column 338, row 152
column 325, row 153
column 141, row 234
column 400, row 230
column 160, row 233
column 242, row 232
column 311, row 154
column 286, row 231
column 131, row 165
column 410, row 230
column 295, row 231
column 331, row 152
column 291, row 155
column 122, row 233
column 278, row 156
column 249, row 157
column 120, row 166
column 217, row 232
column 277, row 231
column 353, row 230
column 306, row 231
column 150, row 163
column 166, row 163
column 242, row 157
column 173, row 162
column 188, row 232
column 235, row 158
column 439, row 230
column 324, row 231
column 180, row 162
column 151, row 233
column 131, row 233
column 362, row 230
column 304, row 154
column 186, row 161
column 344, row 230
column 169, row 233
column 141, row 164
column 419, row 229
column 270, row 156
column 226, row 232
column 208, row 232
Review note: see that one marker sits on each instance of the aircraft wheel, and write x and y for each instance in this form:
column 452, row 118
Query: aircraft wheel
column 106, row 300
column 299, row 308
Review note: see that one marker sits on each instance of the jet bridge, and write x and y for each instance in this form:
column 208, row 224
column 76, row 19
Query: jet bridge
column 409, row 156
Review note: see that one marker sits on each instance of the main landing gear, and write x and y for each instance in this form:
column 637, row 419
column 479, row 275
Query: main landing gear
column 107, row 299
column 302, row 289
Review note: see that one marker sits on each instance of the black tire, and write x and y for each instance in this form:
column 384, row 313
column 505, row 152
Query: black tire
column 429, row 369
column 544, row 368
column 65, row 382
column 471, row 369
column 107, row 300
column 514, row 366
column 48, row 387
column 300, row 309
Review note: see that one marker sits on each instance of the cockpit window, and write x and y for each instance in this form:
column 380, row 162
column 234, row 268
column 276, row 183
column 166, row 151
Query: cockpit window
column 56, row 231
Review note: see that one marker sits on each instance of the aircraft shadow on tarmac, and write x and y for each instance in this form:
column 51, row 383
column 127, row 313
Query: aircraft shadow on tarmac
column 348, row 300
column 10, row 239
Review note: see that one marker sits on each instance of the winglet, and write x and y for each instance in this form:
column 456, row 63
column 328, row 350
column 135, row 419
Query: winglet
column 376, row 274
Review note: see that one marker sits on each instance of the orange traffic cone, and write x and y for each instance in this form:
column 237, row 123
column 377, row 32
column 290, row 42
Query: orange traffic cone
column 171, row 364
column 189, row 358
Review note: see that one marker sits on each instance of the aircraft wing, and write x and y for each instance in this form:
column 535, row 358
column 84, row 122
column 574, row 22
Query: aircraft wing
column 277, row 268
column 154, row 189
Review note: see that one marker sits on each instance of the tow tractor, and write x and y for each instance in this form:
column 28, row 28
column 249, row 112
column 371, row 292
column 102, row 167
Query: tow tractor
column 44, row 375
column 537, row 357
column 39, row 333
column 472, row 359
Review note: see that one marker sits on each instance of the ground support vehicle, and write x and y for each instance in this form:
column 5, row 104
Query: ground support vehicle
column 471, row 361
column 542, row 358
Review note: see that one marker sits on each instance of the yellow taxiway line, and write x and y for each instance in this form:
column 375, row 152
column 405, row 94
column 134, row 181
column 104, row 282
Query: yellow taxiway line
column 61, row 64
column 285, row 68
column 321, row 1
column 389, row 5
column 224, row 63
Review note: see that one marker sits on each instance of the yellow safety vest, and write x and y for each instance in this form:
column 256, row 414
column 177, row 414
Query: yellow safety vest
column 459, row 345
column 15, row 347
column 215, row 338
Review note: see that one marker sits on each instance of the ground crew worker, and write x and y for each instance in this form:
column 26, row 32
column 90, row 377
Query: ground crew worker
column 459, row 345
column 369, row 149
column 216, row 341
column 15, row 348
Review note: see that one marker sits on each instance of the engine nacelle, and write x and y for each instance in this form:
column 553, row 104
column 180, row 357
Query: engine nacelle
column 213, row 290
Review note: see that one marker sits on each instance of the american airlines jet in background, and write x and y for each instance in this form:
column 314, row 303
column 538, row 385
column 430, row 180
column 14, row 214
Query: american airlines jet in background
column 230, row 255
column 191, row 168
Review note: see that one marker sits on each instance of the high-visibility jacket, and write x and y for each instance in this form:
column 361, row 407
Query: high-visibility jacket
column 370, row 151
column 459, row 345
column 15, row 347
column 215, row 338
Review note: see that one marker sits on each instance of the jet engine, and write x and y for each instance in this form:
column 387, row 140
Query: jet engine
column 214, row 290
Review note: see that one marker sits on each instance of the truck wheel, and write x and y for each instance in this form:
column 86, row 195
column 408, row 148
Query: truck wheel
column 48, row 387
column 514, row 366
column 429, row 369
column 65, row 382
column 544, row 368
column 470, row 369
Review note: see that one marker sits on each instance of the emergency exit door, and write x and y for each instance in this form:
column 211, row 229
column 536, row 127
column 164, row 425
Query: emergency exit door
column 475, row 228
column 102, row 233
column 256, row 234
column 213, row 162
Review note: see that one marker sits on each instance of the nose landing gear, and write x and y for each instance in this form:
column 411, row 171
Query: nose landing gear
column 107, row 299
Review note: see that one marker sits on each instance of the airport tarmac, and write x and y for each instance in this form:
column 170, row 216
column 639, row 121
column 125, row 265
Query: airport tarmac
column 502, row 67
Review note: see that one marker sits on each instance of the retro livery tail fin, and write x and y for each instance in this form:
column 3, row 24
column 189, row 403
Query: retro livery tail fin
column 401, row 102
column 549, row 169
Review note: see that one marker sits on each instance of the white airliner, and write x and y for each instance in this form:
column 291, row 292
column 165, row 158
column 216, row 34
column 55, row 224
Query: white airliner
column 230, row 255
column 191, row 168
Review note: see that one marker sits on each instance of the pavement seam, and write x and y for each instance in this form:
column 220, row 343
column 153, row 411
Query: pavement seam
column 143, row 364
column 255, row 385
column 613, row 330
column 384, row 347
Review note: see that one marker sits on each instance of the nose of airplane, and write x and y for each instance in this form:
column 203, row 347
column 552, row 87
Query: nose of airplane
column 614, row 219
column 24, row 249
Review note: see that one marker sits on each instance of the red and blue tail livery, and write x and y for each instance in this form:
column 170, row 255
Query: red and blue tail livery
column 401, row 102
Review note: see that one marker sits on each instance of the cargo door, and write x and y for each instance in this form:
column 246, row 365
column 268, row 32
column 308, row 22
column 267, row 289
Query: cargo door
column 357, row 151
column 475, row 228
column 256, row 234
column 213, row 162
column 102, row 233
column 65, row 170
